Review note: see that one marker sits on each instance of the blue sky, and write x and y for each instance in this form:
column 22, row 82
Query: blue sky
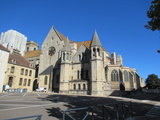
column 119, row 24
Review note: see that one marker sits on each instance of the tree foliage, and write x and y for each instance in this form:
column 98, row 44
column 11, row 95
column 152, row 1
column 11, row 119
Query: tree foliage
column 153, row 81
column 154, row 14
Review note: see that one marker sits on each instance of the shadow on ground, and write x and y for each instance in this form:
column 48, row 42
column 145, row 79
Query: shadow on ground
column 72, row 102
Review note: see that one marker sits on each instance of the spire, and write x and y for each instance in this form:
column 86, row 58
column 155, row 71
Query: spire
column 67, row 46
column 95, row 40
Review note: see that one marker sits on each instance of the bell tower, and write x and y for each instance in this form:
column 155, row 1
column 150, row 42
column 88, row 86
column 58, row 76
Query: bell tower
column 97, row 69
column 65, row 68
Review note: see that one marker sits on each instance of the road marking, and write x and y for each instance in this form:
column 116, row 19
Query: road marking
column 5, row 95
column 31, row 106
column 24, row 95
column 38, row 94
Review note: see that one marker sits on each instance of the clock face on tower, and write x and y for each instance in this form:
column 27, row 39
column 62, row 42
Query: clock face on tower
column 51, row 51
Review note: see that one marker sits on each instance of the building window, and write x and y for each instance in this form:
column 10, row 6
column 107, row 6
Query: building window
column 78, row 74
column 26, row 72
column 10, row 81
column 30, row 73
column 27, row 49
column 80, row 58
column 14, row 61
column 20, row 81
column 82, row 74
column 22, row 71
column 79, row 86
column 45, row 80
column 94, row 52
column 125, row 75
column 84, row 86
column 29, row 82
column 74, row 86
column 114, row 75
column 98, row 51
column 25, row 82
column 12, row 69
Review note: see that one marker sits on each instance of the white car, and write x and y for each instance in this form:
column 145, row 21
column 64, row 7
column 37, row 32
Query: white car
column 41, row 89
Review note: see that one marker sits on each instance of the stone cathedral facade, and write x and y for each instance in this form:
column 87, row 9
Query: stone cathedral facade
column 85, row 67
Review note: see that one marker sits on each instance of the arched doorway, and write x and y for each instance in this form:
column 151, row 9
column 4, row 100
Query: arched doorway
column 35, row 84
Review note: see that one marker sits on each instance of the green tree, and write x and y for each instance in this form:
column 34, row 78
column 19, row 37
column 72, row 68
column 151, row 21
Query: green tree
column 153, row 81
column 154, row 14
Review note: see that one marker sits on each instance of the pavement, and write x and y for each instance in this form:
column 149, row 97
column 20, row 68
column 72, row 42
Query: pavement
column 51, row 105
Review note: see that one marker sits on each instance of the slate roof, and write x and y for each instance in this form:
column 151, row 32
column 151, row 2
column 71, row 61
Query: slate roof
column 3, row 48
column 31, row 54
column 19, row 60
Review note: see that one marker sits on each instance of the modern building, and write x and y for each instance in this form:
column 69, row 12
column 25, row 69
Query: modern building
column 12, row 39
column 4, row 55
column 85, row 67
column 20, row 72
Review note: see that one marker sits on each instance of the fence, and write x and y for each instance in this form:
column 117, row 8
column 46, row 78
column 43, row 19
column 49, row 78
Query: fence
column 70, row 113
column 37, row 117
column 113, row 111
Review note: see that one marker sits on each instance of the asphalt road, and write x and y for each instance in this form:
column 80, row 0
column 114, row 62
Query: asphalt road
column 51, row 106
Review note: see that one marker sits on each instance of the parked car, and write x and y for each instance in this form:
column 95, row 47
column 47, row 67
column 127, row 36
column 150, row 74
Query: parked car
column 41, row 89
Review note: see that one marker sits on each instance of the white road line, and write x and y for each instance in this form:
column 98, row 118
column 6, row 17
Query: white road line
column 5, row 95
column 38, row 94
column 31, row 106
column 24, row 95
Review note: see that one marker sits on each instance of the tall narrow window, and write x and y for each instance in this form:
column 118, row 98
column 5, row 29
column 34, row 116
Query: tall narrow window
column 45, row 80
column 125, row 75
column 20, row 81
column 29, row 82
column 74, row 86
column 98, row 51
column 25, row 82
column 82, row 74
column 26, row 72
column 79, row 86
column 78, row 74
column 10, row 81
column 30, row 73
column 67, row 56
column 94, row 52
column 114, row 75
column 22, row 71
column 64, row 56
column 84, row 86
column 80, row 58
column 12, row 69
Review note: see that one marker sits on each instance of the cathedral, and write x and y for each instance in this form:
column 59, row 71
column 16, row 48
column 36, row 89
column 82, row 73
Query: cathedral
column 86, row 68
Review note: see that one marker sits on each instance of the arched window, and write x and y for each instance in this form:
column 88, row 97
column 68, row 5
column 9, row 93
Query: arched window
column 20, row 81
column 74, row 86
column 98, row 51
column 22, row 71
column 12, row 69
column 94, row 51
column 26, row 72
column 10, row 81
column 64, row 56
column 67, row 56
column 30, row 73
column 114, row 75
column 125, row 75
column 45, row 80
column 79, row 86
column 84, row 86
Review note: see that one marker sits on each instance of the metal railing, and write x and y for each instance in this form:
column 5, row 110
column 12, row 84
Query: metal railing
column 37, row 117
column 117, row 111
column 88, row 110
